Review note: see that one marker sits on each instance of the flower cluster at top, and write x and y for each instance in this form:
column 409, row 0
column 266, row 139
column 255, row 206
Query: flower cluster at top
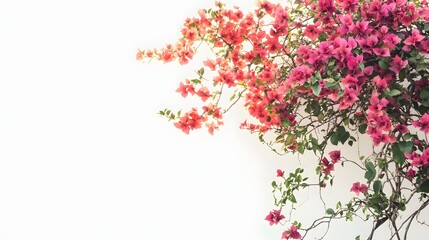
column 362, row 59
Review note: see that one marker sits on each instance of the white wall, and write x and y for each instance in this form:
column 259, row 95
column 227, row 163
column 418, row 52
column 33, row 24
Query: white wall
column 83, row 153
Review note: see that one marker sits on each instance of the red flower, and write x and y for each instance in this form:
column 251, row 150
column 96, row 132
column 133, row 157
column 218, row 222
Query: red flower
column 280, row 173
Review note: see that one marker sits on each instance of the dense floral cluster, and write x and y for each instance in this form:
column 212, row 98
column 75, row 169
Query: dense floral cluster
column 349, row 67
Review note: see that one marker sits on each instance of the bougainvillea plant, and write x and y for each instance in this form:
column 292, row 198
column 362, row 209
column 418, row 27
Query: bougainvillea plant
column 317, row 76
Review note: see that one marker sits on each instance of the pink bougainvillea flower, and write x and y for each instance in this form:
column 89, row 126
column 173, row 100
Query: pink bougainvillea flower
column 139, row 56
column 397, row 64
column 411, row 173
column 210, row 63
column 381, row 83
column 335, row 156
column 415, row 38
column 358, row 188
column 212, row 126
column 423, row 123
column 280, row 173
column 204, row 93
column 274, row 217
column 311, row 31
column 184, row 89
column 391, row 40
column 402, row 128
column 348, row 98
column 291, row 233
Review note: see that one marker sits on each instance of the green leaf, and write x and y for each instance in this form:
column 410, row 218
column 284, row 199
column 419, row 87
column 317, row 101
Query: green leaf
column 318, row 77
column 334, row 139
column 362, row 128
column 330, row 211
column 286, row 123
column 377, row 186
column 331, row 85
column 338, row 206
column 383, row 65
column 402, row 74
column 393, row 93
column 316, row 89
column 424, row 96
column 370, row 171
column 397, row 154
column 357, row 237
column 274, row 184
column 407, row 136
column 292, row 198
column 405, row 147
column 424, row 187
column 344, row 137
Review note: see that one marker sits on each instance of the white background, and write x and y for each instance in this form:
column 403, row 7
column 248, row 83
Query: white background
column 83, row 153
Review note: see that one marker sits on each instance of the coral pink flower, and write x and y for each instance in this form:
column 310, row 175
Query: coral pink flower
column 139, row 56
column 210, row 63
column 312, row 32
column 184, row 89
column 204, row 93
column 274, row 217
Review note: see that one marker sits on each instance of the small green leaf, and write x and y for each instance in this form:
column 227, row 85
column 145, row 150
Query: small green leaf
column 338, row 206
column 405, row 147
column 401, row 36
column 274, row 184
column 424, row 187
column 377, row 186
column 393, row 93
column 397, row 154
column 334, row 139
column 424, row 96
column 344, row 137
column 316, row 89
column 370, row 171
column 318, row 77
column 383, row 65
column 402, row 74
column 292, row 198
column 331, row 85
column 362, row 128
column 330, row 211
column 407, row 136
